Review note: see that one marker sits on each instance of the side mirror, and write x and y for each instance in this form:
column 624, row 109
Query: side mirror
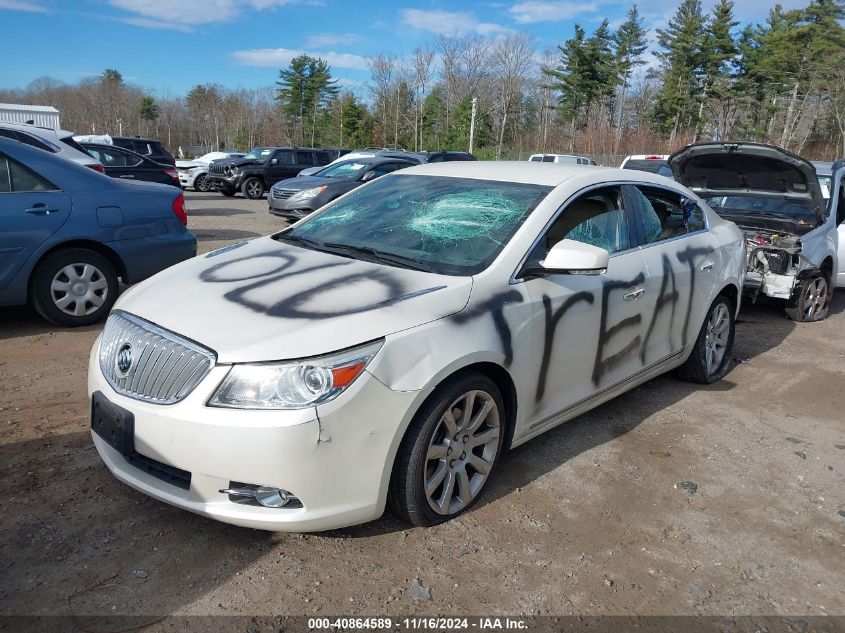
column 368, row 176
column 569, row 257
column 274, row 161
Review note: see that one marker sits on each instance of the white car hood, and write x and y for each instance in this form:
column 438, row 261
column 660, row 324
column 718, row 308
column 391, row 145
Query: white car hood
column 265, row 300
column 185, row 164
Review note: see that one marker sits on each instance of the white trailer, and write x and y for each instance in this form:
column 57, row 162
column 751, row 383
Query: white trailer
column 43, row 116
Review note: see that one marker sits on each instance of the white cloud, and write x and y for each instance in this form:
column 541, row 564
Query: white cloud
column 22, row 5
column 530, row 11
column 449, row 23
column 192, row 12
column 277, row 57
column 146, row 23
column 331, row 39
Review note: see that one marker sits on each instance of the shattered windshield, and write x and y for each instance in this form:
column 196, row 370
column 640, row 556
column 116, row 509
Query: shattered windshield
column 453, row 226
column 259, row 154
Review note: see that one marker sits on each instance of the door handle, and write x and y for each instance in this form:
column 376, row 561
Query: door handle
column 126, row 176
column 633, row 296
column 42, row 210
column 706, row 267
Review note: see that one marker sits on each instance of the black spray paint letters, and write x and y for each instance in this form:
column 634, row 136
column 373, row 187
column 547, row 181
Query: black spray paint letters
column 688, row 256
column 552, row 320
column 602, row 364
column 291, row 307
column 663, row 299
column 494, row 306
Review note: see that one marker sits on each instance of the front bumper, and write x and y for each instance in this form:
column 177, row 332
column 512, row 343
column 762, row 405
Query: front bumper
column 186, row 178
column 291, row 207
column 222, row 182
column 336, row 458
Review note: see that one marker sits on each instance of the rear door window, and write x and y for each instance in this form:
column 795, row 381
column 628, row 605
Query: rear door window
column 663, row 214
column 14, row 177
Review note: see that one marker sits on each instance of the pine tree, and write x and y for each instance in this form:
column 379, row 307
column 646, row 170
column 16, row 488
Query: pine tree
column 681, row 69
column 630, row 44
column 720, row 49
column 305, row 90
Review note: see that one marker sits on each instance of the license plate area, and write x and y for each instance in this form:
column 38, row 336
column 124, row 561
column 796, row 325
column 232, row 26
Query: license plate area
column 113, row 424
column 116, row 426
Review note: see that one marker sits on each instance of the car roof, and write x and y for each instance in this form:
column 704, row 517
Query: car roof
column 549, row 174
column 647, row 157
column 38, row 130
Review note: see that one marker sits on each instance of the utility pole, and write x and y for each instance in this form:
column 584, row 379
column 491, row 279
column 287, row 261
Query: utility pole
column 472, row 123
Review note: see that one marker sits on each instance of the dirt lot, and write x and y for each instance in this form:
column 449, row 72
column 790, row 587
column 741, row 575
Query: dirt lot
column 589, row 519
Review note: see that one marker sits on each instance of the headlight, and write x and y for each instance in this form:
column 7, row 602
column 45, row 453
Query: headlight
column 295, row 384
column 308, row 193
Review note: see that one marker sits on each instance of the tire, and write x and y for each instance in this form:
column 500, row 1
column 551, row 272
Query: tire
column 201, row 184
column 711, row 356
column 253, row 188
column 429, row 451
column 228, row 192
column 62, row 275
column 810, row 300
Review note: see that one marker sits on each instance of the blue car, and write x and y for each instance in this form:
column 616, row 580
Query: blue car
column 68, row 233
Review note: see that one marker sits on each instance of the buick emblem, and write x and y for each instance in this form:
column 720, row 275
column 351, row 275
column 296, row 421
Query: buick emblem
column 124, row 359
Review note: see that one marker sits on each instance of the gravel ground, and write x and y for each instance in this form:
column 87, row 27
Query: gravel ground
column 590, row 519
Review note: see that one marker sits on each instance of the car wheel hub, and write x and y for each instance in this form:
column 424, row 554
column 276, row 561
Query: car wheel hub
column 815, row 298
column 716, row 337
column 79, row 289
column 461, row 452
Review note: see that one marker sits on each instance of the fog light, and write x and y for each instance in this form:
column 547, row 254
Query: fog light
column 271, row 497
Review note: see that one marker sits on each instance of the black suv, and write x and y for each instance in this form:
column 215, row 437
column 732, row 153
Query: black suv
column 148, row 147
column 256, row 172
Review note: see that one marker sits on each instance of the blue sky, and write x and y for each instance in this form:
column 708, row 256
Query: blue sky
column 168, row 46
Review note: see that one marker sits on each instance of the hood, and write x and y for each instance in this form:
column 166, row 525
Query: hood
column 264, row 300
column 746, row 169
column 236, row 162
column 300, row 183
column 189, row 164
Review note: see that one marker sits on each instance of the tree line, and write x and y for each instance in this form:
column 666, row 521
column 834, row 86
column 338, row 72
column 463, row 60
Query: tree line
column 605, row 92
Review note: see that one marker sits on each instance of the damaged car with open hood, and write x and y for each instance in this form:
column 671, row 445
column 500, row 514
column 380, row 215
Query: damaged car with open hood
column 775, row 198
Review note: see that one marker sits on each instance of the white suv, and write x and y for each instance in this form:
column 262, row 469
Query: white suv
column 59, row 142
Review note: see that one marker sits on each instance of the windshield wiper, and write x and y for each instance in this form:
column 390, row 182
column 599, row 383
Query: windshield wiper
column 390, row 258
column 298, row 239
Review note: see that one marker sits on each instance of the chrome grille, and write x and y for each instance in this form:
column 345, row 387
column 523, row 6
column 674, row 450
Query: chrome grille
column 156, row 366
column 216, row 169
column 283, row 194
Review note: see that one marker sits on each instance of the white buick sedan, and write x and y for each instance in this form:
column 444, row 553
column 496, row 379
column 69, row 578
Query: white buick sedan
column 389, row 348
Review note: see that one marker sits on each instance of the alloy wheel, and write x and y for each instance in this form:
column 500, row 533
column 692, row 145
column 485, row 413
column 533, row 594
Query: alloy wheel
column 815, row 298
column 79, row 289
column 717, row 337
column 254, row 189
column 461, row 452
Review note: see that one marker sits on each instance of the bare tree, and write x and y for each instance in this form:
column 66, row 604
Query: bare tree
column 512, row 59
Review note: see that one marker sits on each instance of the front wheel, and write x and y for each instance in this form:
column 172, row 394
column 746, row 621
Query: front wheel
column 201, row 183
column 449, row 451
column 253, row 188
column 710, row 358
column 74, row 287
column 809, row 301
